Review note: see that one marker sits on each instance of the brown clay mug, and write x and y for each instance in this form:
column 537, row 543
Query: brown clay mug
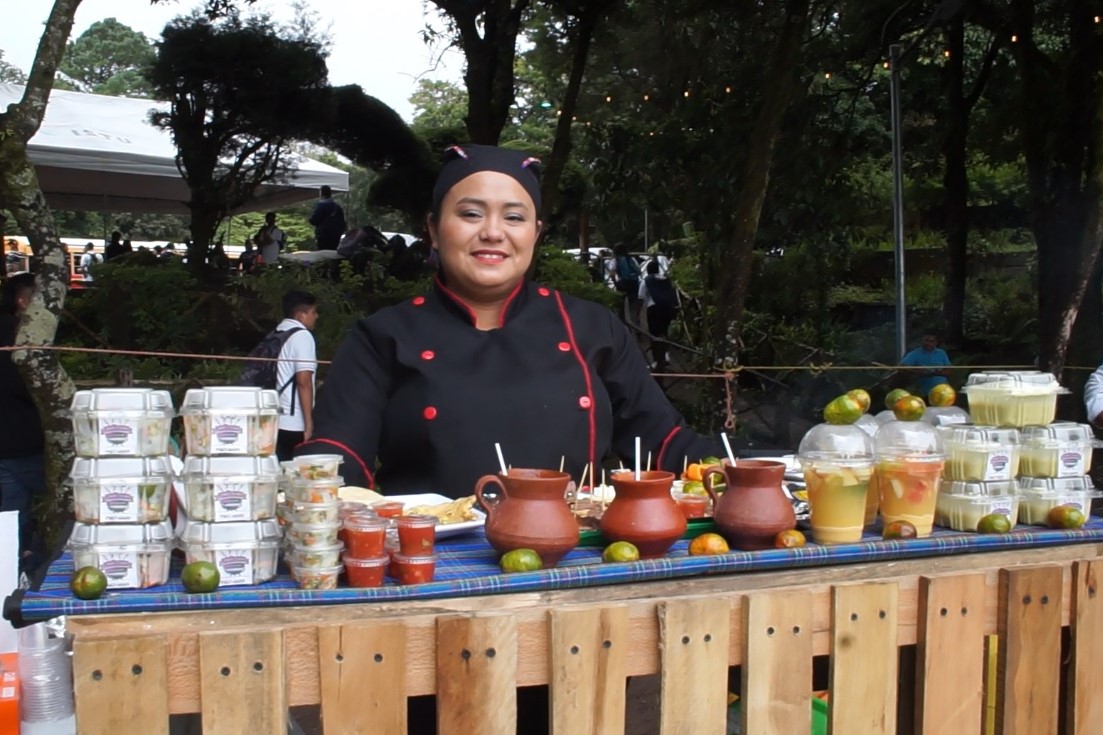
column 644, row 513
column 531, row 512
column 753, row 509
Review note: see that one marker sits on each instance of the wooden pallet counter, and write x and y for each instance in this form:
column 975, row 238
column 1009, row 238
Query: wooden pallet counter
column 243, row 668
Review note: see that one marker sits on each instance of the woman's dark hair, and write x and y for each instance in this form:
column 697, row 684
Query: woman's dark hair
column 14, row 287
column 295, row 301
column 652, row 267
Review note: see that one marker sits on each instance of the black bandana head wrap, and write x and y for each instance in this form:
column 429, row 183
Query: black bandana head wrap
column 463, row 161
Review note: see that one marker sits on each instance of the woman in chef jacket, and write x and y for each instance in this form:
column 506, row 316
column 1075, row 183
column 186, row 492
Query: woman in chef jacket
column 419, row 393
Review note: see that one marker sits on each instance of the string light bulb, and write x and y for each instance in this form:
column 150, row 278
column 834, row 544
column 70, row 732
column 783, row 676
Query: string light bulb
column 608, row 98
column 727, row 90
column 686, row 93
column 1014, row 38
column 946, row 53
column 885, row 65
column 827, row 75
column 1097, row 19
column 647, row 98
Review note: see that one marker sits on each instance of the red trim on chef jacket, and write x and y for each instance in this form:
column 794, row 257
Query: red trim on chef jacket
column 458, row 300
column 662, row 447
column 590, row 409
column 346, row 450
column 508, row 301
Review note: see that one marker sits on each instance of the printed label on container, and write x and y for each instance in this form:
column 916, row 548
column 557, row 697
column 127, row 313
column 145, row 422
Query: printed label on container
column 121, row 570
column 1070, row 460
column 229, row 435
column 998, row 468
column 119, row 503
column 233, row 501
column 234, row 567
column 117, row 435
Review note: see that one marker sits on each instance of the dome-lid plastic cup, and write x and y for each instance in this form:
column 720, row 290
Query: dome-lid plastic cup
column 838, row 462
column 908, row 472
column 946, row 416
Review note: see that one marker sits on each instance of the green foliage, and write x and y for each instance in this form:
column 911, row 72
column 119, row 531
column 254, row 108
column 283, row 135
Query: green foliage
column 108, row 58
column 560, row 270
column 10, row 73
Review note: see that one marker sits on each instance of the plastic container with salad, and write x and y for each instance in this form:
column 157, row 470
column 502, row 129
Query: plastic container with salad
column 121, row 422
column 121, row 489
column 221, row 489
column 131, row 556
column 230, row 420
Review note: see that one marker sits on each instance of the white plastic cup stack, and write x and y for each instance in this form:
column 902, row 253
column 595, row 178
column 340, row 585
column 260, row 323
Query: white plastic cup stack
column 46, row 675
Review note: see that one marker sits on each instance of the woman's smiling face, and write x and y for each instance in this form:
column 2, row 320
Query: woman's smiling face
column 485, row 235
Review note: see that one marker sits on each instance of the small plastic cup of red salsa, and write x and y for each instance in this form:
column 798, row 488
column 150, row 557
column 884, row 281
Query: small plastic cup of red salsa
column 413, row 569
column 388, row 508
column 693, row 506
column 364, row 537
column 417, row 534
column 366, row 572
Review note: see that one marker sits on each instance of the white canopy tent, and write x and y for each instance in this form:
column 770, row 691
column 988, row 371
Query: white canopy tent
column 101, row 154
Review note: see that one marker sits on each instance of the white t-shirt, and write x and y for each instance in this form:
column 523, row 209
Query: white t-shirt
column 297, row 356
column 271, row 251
column 86, row 262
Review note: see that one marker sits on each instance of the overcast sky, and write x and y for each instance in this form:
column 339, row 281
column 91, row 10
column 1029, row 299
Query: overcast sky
column 376, row 43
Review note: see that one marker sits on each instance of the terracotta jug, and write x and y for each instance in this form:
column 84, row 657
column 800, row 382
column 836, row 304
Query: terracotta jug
column 531, row 512
column 753, row 509
column 644, row 513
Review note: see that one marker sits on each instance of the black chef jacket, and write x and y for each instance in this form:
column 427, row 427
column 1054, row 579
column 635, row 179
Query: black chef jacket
column 419, row 388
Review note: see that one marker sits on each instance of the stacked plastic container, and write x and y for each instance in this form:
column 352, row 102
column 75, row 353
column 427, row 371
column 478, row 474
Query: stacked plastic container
column 982, row 464
column 230, row 481
column 313, row 515
column 1048, row 464
column 121, row 480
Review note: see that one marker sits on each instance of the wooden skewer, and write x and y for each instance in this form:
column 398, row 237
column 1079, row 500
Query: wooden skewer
column 649, row 461
column 562, row 461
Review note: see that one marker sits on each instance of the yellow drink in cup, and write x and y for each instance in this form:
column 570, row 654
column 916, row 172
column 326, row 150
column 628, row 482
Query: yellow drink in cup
column 837, row 497
column 909, row 491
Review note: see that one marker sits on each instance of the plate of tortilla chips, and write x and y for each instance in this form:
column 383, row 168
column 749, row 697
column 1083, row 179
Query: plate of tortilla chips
column 455, row 516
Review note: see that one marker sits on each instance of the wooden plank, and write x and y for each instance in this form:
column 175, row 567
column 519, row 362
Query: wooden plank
column 242, row 683
column 1085, row 690
column 363, row 669
column 777, row 667
column 1029, row 650
column 477, row 674
column 950, row 652
column 863, row 660
column 119, row 683
column 589, row 647
column 693, row 637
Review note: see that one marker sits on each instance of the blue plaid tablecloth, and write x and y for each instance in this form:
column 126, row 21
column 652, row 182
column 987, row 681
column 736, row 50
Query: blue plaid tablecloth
column 467, row 566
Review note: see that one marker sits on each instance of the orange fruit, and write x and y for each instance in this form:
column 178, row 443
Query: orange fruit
column 790, row 539
column 909, row 408
column 942, row 395
column 620, row 551
column 1065, row 516
column 894, row 396
column 694, row 472
column 708, row 543
column 842, row 410
column 899, row 530
column 861, row 396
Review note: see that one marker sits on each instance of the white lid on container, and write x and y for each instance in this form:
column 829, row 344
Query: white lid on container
column 122, row 400
column 1056, row 485
column 836, row 443
column 196, row 469
column 230, row 398
column 121, row 534
column 1014, row 382
column 968, row 434
column 913, row 440
column 977, row 489
column 121, row 468
column 946, row 416
column 1059, row 432
column 322, row 482
column 236, row 532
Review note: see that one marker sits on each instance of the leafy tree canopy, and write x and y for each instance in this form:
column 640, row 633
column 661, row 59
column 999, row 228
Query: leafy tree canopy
column 108, row 58
column 11, row 73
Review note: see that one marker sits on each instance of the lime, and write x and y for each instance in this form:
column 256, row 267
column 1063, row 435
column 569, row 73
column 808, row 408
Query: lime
column 521, row 560
column 710, row 461
column 994, row 523
column 894, row 396
column 899, row 530
column 620, row 551
column 909, row 408
column 88, row 583
column 842, row 410
column 200, row 576
column 861, row 396
column 694, row 487
column 1065, row 516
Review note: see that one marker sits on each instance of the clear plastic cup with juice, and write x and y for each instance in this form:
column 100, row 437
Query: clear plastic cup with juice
column 908, row 473
column 838, row 462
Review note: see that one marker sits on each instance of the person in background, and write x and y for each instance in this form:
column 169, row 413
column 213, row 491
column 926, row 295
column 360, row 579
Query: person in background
column 14, row 260
column 22, row 462
column 928, row 355
column 128, row 247
column 661, row 302
column 297, row 365
column 247, row 261
column 218, row 258
column 114, row 248
column 626, row 274
column 1093, row 397
column 328, row 220
column 87, row 260
column 169, row 252
column 269, row 240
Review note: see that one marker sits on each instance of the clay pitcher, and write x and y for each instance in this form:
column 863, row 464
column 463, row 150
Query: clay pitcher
column 644, row 513
column 531, row 512
column 753, row 509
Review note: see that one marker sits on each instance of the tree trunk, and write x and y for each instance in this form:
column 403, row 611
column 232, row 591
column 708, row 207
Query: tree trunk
column 956, row 185
column 736, row 263
column 21, row 194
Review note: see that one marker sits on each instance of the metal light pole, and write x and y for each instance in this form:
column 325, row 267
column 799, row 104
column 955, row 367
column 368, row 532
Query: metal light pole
column 895, row 53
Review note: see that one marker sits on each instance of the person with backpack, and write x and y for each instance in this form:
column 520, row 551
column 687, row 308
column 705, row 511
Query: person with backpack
column 286, row 362
column 661, row 302
column 626, row 271
column 328, row 220
column 87, row 260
